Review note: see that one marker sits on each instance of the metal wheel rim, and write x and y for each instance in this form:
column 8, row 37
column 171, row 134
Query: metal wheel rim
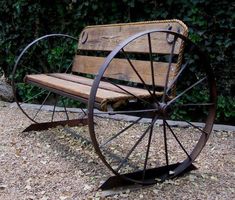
column 209, row 121
column 16, row 66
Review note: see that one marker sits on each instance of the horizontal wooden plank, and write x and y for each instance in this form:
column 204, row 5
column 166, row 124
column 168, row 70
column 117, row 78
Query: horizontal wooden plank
column 102, row 85
column 74, row 88
column 121, row 69
column 107, row 37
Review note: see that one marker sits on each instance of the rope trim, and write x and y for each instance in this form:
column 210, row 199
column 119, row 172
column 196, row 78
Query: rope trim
column 116, row 102
column 145, row 22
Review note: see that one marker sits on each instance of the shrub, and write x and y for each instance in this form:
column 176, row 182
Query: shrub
column 211, row 27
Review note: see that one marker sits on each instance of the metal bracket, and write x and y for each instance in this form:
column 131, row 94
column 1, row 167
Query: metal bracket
column 155, row 175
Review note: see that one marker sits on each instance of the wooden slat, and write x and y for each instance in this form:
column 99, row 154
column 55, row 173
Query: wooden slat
column 73, row 88
column 120, row 69
column 107, row 37
column 102, row 85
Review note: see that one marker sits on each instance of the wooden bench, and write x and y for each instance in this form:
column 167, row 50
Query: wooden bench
column 106, row 38
column 132, row 69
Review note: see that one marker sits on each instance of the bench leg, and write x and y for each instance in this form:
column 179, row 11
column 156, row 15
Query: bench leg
column 47, row 125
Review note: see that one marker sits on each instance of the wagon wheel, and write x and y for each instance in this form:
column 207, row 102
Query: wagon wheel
column 48, row 54
column 189, row 97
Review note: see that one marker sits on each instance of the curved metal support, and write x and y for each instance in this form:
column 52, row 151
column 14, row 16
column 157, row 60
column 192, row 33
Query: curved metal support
column 32, row 43
column 23, row 53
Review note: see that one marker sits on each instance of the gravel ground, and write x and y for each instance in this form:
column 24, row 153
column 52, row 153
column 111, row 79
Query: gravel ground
column 50, row 165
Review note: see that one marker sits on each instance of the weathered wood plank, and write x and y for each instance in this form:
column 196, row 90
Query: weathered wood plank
column 120, row 69
column 107, row 37
column 73, row 88
column 102, row 85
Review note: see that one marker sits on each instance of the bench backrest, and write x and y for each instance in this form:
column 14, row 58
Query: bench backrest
column 103, row 38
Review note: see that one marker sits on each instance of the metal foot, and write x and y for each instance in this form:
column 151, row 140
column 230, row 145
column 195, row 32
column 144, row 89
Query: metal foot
column 155, row 175
column 47, row 125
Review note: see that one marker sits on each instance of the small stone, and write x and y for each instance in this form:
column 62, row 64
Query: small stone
column 44, row 198
column 158, row 179
column 214, row 178
column 192, row 178
column 31, row 197
column 6, row 92
column 127, row 191
column 63, row 197
column 124, row 195
column 24, row 158
column 28, row 180
column 28, row 187
column 43, row 162
column 155, row 191
column 87, row 187
column 171, row 172
column 3, row 187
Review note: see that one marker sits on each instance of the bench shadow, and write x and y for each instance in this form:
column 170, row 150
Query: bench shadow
column 78, row 151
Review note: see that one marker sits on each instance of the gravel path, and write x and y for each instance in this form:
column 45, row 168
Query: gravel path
column 50, row 165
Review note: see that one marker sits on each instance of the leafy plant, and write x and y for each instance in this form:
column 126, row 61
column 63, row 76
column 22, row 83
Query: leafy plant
column 211, row 26
column 226, row 109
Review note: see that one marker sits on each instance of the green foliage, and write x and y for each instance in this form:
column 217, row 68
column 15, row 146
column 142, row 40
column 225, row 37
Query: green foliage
column 70, row 103
column 211, row 25
column 226, row 109
column 192, row 113
column 49, row 54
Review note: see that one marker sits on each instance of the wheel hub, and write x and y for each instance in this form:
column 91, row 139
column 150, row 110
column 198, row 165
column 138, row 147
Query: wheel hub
column 162, row 109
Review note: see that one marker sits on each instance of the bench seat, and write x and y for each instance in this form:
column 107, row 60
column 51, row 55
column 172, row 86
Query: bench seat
column 79, row 87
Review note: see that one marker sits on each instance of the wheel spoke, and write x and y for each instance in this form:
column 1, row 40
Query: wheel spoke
column 56, row 99
column 180, row 72
column 41, row 105
column 194, row 104
column 177, row 76
column 189, row 88
column 135, row 145
column 68, row 66
column 30, row 54
column 31, row 69
column 127, row 92
column 43, row 62
column 84, row 112
column 61, row 57
column 194, row 126
column 34, row 96
column 151, row 62
column 67, row 116
column 126, row 112
column 168, row 70
column 182, row 147
column 147, row 152
column 165, row 144
column 137, row 73
column 120, row 132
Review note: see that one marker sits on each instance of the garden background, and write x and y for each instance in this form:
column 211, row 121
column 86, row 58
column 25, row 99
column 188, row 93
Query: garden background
column 211, row 24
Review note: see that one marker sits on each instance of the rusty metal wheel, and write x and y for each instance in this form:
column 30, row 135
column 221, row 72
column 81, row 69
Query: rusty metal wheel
column 47, row 54
column 152, row 139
